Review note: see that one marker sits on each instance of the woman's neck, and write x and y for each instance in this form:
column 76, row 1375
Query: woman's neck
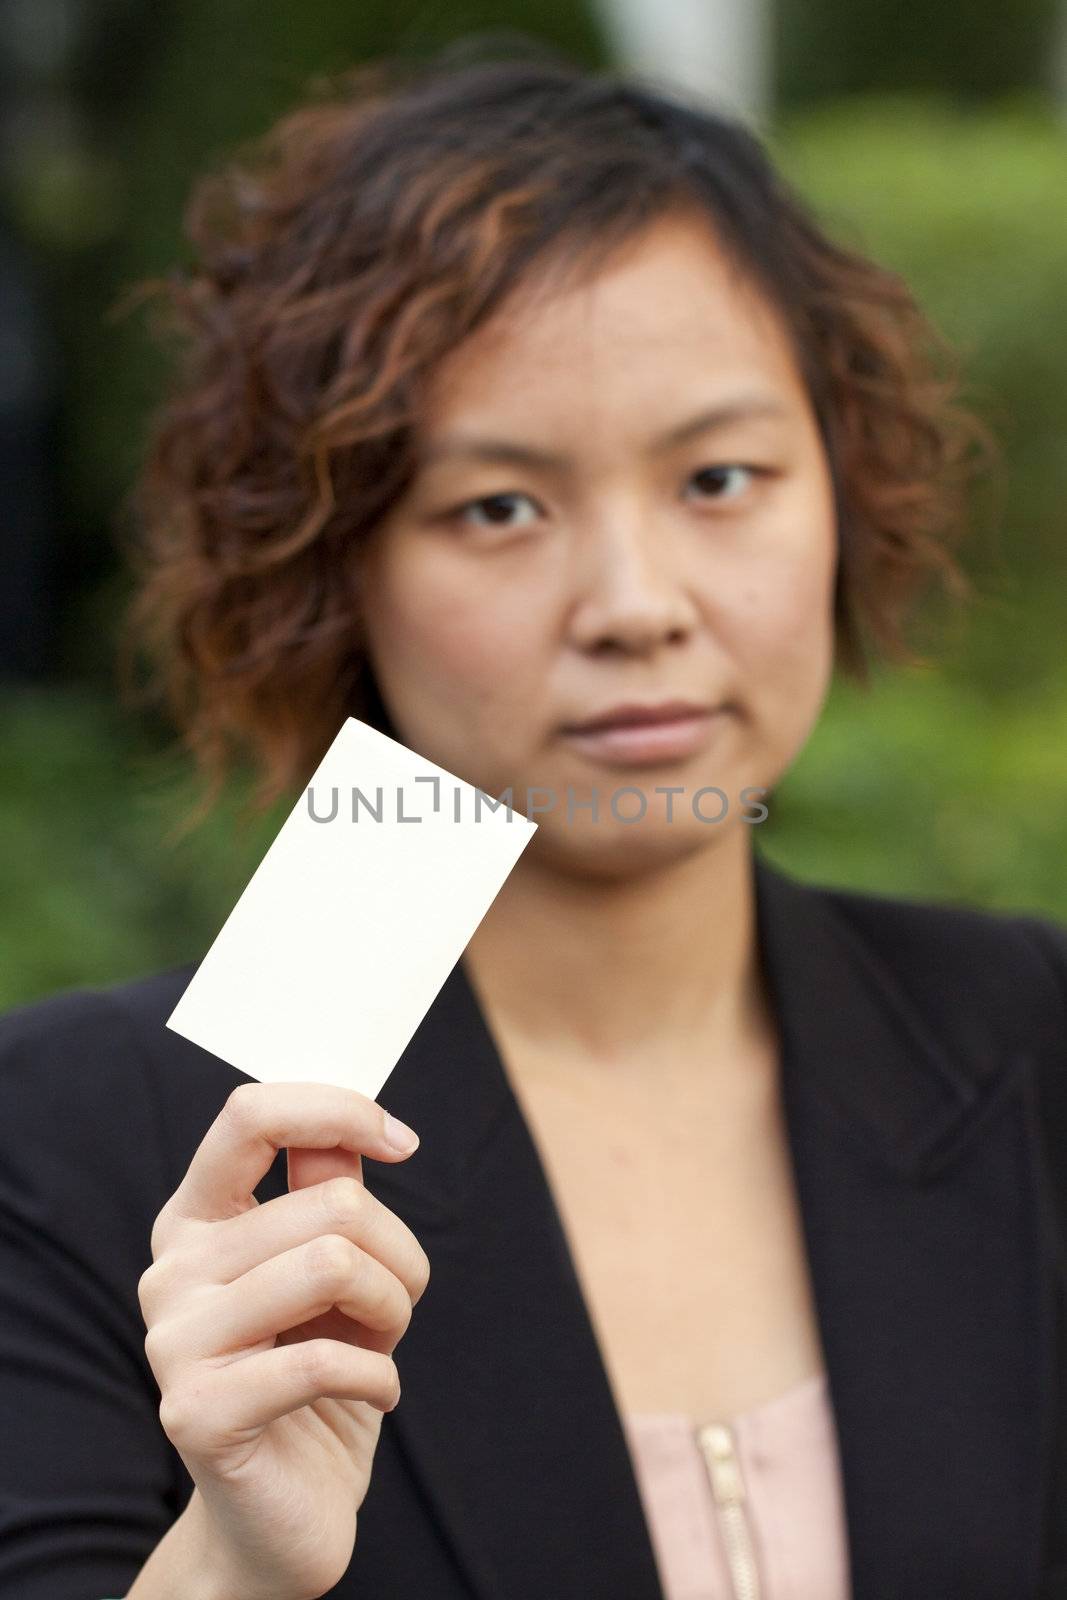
column 623, row 973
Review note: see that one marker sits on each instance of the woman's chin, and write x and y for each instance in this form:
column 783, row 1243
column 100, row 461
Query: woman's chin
column 613, row 850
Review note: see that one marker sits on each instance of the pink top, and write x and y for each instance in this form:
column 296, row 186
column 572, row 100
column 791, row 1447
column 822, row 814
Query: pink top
column 785, row 1538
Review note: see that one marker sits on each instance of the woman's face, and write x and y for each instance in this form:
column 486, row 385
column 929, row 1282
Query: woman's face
column 623, row 498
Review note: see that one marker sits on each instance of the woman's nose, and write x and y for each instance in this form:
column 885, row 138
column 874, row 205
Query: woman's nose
column 628, row 598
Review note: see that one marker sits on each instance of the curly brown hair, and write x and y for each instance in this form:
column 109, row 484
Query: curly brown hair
column 340, row 257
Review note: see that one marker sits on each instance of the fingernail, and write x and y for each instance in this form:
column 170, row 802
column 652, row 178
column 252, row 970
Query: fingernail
column 399, row 1135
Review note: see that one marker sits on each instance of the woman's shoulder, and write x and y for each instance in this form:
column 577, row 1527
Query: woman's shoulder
column 940, row 951
column 95, row 1073
column 118, row 1011
column 79, row 1037
column 990, row 983
column 987, row 984
column 947, row 938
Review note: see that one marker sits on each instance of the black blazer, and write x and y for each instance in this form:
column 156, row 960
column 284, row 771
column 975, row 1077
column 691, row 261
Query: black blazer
column 925, row 1091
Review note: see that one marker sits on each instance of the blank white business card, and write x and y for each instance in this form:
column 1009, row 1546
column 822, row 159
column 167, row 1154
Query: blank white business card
column 354, row 918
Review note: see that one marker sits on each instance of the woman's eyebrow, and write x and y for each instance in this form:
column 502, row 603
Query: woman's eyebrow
column 510, row 452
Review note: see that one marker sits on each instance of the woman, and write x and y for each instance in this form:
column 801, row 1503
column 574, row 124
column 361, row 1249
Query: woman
column 530, row 416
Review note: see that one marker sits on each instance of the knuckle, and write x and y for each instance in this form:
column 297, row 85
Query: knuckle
column 318, row 1363
column 160, row 1284
column 155, row 1346
column 391, row 1380
column 174, row 1417
column 330, row 1259
column 344, row 1199
column 156, row 1237
column 193, row 1416
column 242, row 1105
column 387, row 1307
column 404, row 1321
column 420, row 1275
column 146, row 1289
column 161, row 1230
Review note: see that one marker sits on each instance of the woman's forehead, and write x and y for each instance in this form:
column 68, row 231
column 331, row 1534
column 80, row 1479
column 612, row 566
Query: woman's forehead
column 669, row 310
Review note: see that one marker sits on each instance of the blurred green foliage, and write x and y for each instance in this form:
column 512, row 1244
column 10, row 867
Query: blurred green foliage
column 952, row 782
column 94, row 890
column 987, row 48
column 947, row 782
column 968, row 207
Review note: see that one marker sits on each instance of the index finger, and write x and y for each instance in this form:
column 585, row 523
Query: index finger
column 258, row 1120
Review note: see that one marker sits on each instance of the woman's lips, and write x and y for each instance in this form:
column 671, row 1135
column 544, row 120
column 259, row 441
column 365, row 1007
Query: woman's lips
column 647, row 743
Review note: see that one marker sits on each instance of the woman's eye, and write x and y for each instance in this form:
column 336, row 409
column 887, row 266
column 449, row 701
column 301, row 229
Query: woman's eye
column 510, row 509
column 496, row 511
column 711, row 480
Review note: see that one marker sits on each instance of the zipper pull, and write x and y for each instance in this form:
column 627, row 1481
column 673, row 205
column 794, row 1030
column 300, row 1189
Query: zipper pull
column 723, row 1470
column 716, row 1442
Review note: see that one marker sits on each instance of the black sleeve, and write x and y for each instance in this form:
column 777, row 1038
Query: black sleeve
column 88, row 1484
column 1050, row 939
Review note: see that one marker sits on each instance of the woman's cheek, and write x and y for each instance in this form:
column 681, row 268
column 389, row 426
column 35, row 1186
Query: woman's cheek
column 492, row 638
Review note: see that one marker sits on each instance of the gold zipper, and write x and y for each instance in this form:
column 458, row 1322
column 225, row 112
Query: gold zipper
column 716, row 1440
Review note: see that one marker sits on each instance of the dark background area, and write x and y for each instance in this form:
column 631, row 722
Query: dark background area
column 937, row 142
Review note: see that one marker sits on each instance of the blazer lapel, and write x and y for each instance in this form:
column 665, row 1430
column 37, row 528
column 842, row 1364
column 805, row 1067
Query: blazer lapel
column 916, row 1162
column 507, row 1418
column 917, row 1182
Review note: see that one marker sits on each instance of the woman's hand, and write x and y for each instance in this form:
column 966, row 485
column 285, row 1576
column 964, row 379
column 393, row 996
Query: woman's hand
column 271, row 1329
